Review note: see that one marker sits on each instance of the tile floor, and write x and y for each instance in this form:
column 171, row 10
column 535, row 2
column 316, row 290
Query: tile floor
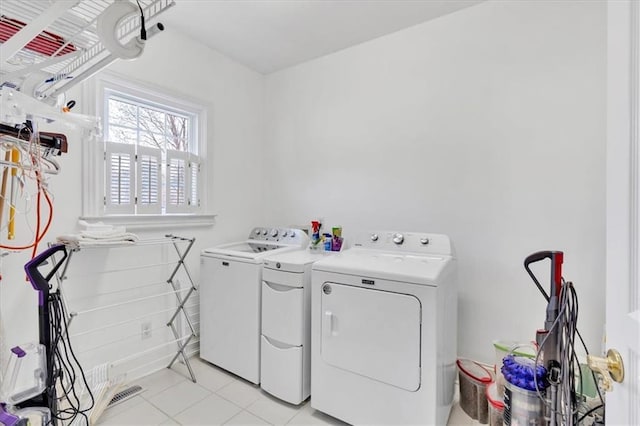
column 219, row 398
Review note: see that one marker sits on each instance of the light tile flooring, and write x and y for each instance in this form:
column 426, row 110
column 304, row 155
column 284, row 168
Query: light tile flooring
column 170, row 398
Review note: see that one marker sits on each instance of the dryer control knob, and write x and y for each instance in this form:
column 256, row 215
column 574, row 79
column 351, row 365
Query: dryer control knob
column 264, row 232
column 374, row 237
column 274, row 232
column 284, row 234
column 398, row 238
column 424, row 241
column 257, row 231
column 293, row 234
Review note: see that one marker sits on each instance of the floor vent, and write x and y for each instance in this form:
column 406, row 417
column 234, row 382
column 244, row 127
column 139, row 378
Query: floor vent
column 125, row 394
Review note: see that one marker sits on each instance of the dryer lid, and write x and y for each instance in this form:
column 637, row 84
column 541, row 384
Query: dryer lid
column 403, row 267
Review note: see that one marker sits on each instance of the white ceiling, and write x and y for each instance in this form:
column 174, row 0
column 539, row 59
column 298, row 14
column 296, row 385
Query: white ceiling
column 269, row 35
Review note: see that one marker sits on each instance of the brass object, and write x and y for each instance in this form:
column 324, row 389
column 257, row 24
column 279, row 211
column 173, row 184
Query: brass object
column 609, row 367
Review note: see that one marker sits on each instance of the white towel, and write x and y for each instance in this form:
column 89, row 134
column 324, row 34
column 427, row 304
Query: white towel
column 92, row 238
column 108, row 236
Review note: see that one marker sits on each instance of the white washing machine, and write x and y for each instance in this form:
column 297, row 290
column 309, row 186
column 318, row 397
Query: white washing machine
column 230, row 298
column 384, row 321
column 285, row 362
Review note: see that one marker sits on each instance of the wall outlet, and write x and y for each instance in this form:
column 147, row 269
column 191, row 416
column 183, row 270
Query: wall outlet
column 145, row 330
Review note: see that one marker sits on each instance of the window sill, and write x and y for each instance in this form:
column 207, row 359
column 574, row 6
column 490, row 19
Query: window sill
column 153, row 221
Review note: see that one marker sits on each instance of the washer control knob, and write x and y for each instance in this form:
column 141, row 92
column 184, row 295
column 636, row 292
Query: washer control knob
column 257, row 231
column 424, row 241
column 374, row 237
column 264, row 232
column 398, row 238
column 274, row 232
column 293, row 234
column 285, row 233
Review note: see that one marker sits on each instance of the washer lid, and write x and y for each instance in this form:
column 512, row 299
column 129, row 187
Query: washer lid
column 404, row 267
column 255, row 250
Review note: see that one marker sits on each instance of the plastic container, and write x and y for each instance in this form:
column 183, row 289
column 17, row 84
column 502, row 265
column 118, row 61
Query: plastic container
column 522, row 407
column 524, row 373
column 473, row 380
column 336, row 245
column 587, row 387
column 327, row 242
column 337, row 231
column 496, row 405
column 26, row 373
column 504, row 348
column 525, row 386
column 36, row 416
column 315, row 232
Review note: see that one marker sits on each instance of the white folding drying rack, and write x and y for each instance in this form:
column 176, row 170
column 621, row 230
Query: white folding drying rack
column 72, row 49
column 182, row 246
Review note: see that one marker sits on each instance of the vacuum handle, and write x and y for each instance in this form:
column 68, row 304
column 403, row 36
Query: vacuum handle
column 557, row 258
column 38, row 281
column 537, row 257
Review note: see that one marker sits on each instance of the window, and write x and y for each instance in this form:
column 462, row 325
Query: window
column 152, row 153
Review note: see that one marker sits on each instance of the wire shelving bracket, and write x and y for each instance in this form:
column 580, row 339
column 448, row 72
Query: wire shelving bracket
column 48, row 47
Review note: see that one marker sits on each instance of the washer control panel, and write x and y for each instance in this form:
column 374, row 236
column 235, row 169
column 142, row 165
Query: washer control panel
column 285, row 236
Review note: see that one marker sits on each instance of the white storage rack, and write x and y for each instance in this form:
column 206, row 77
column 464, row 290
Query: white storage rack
column 74, row 22
column 182, row 248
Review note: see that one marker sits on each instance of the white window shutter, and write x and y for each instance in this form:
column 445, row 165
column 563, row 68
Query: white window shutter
column 194, row 183
column 177, row 189
column 149, row 180
column 119, row 178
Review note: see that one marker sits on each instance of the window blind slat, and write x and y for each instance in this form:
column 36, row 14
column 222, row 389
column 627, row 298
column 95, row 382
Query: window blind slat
column 119, row 178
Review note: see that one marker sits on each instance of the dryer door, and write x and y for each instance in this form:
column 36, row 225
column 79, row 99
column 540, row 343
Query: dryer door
column 373, row 333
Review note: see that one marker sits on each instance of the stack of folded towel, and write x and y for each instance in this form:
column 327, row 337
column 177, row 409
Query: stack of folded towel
column 104, row 235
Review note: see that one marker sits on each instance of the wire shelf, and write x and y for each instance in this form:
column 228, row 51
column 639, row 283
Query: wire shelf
column 74, row 31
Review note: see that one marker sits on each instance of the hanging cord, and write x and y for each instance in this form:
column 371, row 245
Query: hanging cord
column 568, row 358
column 36, row 161
column 38, row 218
column 67, row 369
column 585, row 415
column 41, row 236
column 566, row 323
column 143, row 30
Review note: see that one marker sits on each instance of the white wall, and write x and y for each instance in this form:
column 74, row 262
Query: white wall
column 487, row 124
column 234, row 97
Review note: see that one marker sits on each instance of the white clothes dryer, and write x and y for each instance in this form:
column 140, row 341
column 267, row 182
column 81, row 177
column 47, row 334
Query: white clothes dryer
column 384, row 321
column 230, row 298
